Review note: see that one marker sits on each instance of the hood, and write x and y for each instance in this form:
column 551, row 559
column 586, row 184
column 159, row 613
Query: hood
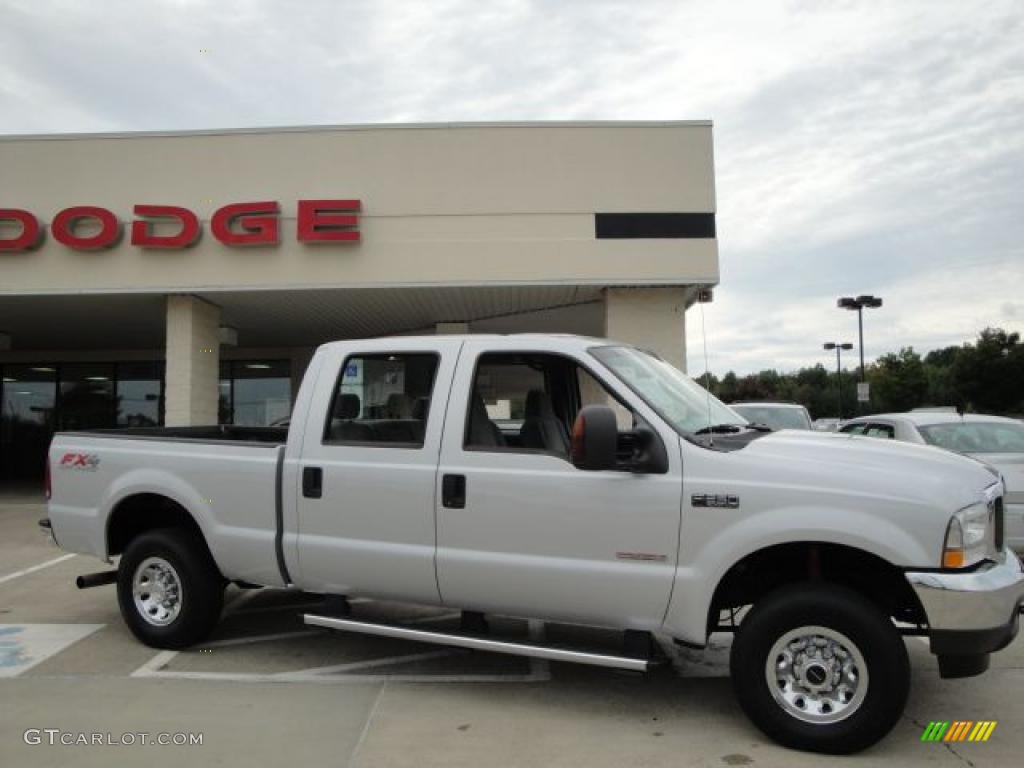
column 1011, row 467
column 873, row 466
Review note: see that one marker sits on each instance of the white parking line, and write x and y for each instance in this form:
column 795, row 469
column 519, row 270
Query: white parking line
column 366, row 725
column 153, row 667
column 23, row 646
column 34, row 568
column 370, row 664
column 261, row 638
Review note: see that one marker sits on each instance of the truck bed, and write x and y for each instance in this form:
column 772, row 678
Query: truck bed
column 229, row 478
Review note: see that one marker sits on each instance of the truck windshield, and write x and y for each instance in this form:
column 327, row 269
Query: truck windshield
column 676, row 397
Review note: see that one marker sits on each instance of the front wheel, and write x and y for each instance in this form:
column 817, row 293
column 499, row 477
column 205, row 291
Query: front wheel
column 169, row 589
column 818, row 667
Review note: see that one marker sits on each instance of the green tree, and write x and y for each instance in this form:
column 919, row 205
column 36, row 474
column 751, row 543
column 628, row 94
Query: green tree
column 988, row 376
column 727, row 387
column 898, row 381
column 938, row 367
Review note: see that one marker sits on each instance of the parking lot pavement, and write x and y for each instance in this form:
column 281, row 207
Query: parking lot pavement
column 267, row 690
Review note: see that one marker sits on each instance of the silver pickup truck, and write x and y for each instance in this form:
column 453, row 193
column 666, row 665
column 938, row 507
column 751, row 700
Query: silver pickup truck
column 569, row 480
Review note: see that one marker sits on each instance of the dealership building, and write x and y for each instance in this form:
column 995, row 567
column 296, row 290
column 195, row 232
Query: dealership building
column 187, row 277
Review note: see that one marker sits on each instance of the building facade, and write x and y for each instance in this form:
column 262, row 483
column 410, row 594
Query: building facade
column 186, row 278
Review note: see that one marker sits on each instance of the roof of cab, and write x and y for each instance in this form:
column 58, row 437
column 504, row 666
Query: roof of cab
column 500, row 339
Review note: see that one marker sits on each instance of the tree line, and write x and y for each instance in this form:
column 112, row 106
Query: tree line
column 983, row 376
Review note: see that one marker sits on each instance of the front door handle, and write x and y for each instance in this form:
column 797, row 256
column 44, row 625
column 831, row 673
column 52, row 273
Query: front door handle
column 453, row 491
column 312, row 482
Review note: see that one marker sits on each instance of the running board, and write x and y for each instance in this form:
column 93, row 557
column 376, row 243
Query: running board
column 480, row 643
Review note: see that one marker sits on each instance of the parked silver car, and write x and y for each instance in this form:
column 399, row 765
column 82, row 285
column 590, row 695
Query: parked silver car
column 994, row 440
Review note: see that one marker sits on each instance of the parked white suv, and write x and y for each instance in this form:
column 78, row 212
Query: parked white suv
column 614, row 492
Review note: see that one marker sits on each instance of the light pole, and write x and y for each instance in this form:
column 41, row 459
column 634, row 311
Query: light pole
column 830, row 345
column 860, row 303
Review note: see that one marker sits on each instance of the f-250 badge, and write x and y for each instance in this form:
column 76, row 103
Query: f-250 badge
column 719, row 501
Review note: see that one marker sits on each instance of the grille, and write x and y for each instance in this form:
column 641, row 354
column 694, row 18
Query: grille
column 999, row 523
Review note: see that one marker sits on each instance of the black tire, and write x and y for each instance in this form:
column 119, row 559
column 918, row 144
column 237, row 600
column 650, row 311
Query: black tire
column 841, row 610
column 201, row 588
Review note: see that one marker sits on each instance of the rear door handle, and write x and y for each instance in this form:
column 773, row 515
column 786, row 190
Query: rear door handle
column 312, row 482
column 453, row 491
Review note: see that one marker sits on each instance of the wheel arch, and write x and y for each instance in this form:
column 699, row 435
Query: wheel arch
column 764, row 570
column 141, row 512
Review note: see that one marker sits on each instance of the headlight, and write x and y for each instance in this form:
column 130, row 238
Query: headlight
column 967, row 537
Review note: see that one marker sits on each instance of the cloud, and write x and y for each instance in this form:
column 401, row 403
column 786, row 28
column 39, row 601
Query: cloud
column 860, row 146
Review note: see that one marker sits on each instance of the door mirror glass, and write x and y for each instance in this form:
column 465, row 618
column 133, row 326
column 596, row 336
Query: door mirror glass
column 595, row 437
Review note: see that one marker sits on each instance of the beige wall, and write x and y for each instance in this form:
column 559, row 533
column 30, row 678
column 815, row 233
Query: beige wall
column 442, row 205
column 459, row 206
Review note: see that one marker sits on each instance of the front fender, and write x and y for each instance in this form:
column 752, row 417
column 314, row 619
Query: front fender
column 705, row 561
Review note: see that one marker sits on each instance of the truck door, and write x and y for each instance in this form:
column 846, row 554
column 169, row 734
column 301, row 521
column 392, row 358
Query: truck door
column 368, row 468
column 522, row 531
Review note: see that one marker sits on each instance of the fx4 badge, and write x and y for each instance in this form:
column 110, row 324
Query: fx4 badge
column 715, row 500
column 87, row 462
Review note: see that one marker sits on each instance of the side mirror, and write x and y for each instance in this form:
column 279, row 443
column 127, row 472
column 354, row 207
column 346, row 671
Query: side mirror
column 598, row 445
column 595, row 437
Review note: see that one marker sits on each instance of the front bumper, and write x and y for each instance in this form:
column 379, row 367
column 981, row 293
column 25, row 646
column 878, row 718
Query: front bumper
column 971, row 614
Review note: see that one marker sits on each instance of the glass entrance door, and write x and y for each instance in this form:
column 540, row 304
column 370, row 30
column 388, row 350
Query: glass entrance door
column 38, row 400
column 87, row 397
column 29, row 397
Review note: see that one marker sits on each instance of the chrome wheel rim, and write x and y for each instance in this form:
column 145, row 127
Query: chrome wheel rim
column 156, row 589
column 817, row 675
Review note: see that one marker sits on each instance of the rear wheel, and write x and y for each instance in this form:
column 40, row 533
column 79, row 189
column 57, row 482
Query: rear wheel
column 820, row 668
column 169, row 589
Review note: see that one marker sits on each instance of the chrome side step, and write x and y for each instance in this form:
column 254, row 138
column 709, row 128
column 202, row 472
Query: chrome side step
column 480, row 643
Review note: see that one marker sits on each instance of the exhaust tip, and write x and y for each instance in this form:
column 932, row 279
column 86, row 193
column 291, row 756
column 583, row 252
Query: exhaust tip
column 89, row 580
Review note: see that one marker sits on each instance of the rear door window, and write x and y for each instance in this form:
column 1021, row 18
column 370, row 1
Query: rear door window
column 382, row 400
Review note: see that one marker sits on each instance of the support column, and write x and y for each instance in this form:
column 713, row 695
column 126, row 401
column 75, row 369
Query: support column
column 301, row 357
column 651, row 318
column 193, row 362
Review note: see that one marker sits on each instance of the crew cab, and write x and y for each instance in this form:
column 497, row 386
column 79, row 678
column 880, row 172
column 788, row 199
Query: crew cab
column 569, row 480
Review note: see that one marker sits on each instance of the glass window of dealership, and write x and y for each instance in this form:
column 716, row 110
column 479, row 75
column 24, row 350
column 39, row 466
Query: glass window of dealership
column 187, row 277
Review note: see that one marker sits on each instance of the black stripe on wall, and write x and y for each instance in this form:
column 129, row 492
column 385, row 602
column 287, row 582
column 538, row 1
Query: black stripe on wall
column 654, row 225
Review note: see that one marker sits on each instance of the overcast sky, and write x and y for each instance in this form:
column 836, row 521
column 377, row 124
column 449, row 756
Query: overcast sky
column 861, row 147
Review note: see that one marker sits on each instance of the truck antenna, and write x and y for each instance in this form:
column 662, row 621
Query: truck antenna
column 704, row 296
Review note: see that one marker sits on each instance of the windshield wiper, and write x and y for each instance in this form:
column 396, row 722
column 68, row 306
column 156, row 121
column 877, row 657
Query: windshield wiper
column 727, row 429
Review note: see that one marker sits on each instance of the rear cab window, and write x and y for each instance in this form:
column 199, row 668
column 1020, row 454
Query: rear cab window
column 382, row 399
